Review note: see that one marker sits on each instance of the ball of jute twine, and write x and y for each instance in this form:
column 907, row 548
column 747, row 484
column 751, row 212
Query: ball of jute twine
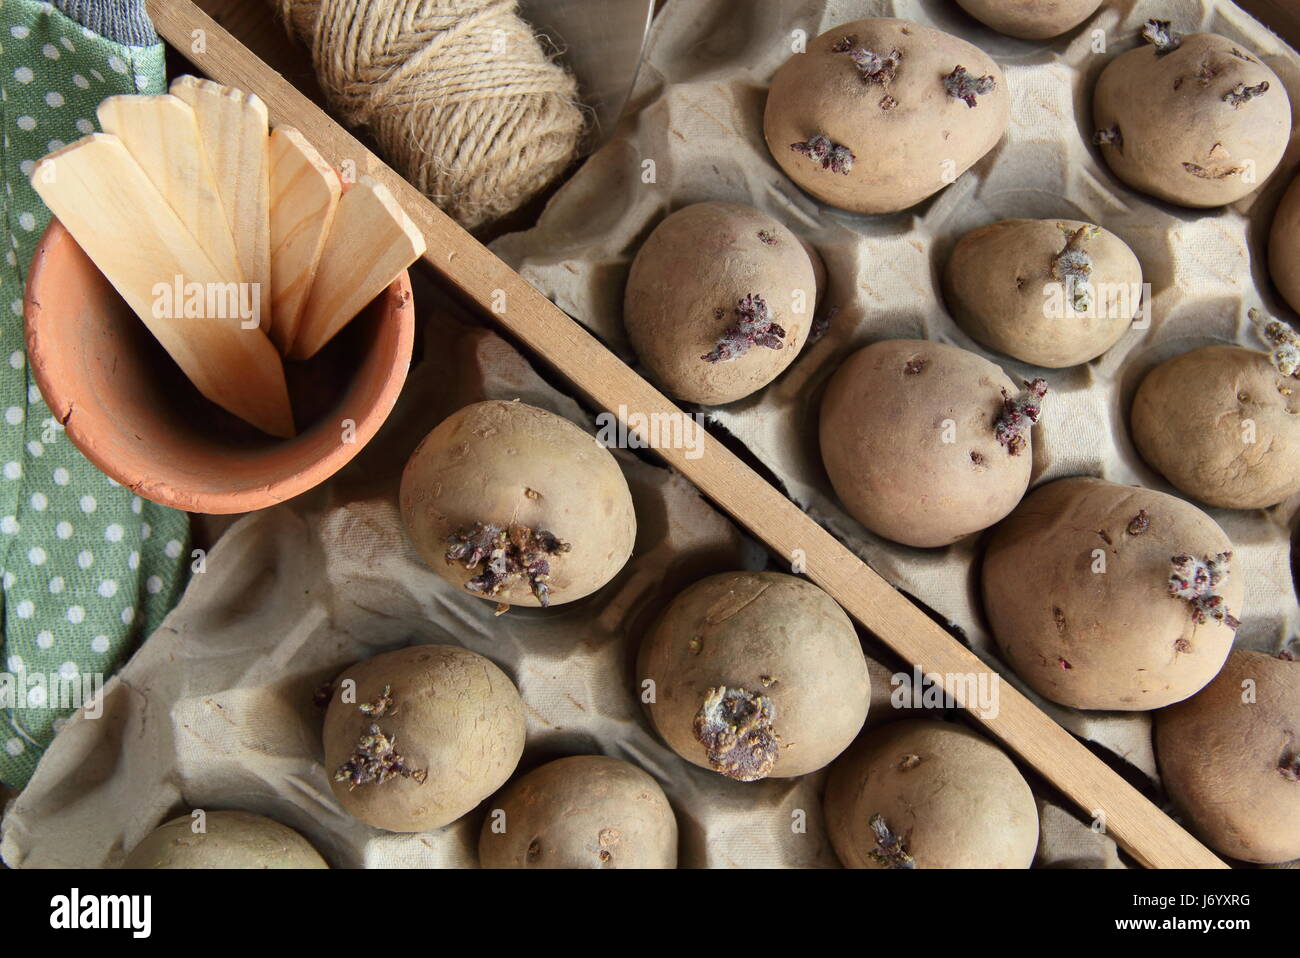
column 458, row 94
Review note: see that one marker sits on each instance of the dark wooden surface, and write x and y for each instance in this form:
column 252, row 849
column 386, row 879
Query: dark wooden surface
column 1283, row 16
column 258, row 28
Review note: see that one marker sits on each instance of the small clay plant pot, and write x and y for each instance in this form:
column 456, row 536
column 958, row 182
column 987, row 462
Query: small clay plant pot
column 130, row 410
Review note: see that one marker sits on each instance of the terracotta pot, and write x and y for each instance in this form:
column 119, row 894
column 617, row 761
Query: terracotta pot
column 132, row 412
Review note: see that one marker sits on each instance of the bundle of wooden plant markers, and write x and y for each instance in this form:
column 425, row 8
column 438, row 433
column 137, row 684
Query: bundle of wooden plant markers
column 239, row 248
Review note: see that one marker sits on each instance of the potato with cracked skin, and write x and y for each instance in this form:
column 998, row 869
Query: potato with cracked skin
column 1103, row 596
column 228, row 839
column 921, row 793
column 584, row 811
column 1054, row 293
column 926, row 443
column 416, row 738
column 719, row 301
column 1195, row 120
column 755, row 675
column 1031, row 19
column 1230, row 758
column 1222, row 424
column 517, row 505
column 879, row 114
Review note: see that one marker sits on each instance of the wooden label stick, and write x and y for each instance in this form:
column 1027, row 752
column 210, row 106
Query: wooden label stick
column 370, row 242
column 304, row 196
column 103, row 197
column 234, row 128
column 162, row 135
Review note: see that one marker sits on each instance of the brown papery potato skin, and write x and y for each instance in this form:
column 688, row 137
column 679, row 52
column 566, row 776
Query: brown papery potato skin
column 1284, row 246
column 771, row 634
column 954, row 797
column 1168, row 116
column 903, row 153
column 508, row 462
column 232, row 839
column 1190, row 423
column 994, row 287
column 882, row 440
column 585, row 811
column 1104, row 640
column 685, row 283
column 1221, row 758
column 456, row 716
column 1031, row 19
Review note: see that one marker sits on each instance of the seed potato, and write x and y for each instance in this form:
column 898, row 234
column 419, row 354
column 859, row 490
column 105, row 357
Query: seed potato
column 1053, row 293
column 230, row 839
column 1031, row 19
column 879, row 114
column 1195, row 120
column 1223, row 425
column 756, row 675
column 517, row 505
column 719, row 301
column 925, row 794
column 926, row 443
column 585, row 811
column 424, row 735
column 1089, row 589
column 1284, row 246
column 1230, row 758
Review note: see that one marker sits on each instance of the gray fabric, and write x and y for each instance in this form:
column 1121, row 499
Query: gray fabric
column 122, row 21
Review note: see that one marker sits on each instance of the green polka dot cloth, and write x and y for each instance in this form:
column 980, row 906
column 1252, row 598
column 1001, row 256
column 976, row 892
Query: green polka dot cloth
column 88, row 567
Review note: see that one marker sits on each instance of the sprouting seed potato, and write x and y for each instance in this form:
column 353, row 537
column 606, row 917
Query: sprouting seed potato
column 1222, row 423
column 584, row 811
column 224, row 839
column 416, row 738
column 1053, row 293
column 755, row 675
column 1230, row 758
column 1196, row 120
column 1284, row 246
column 719, row 301
column 1104, row 596
column 517, row 505
column 926, row 443
column 920, row 793
column 878, row 114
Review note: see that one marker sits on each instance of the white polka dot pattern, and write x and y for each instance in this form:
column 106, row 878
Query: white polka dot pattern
column 89, row 568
